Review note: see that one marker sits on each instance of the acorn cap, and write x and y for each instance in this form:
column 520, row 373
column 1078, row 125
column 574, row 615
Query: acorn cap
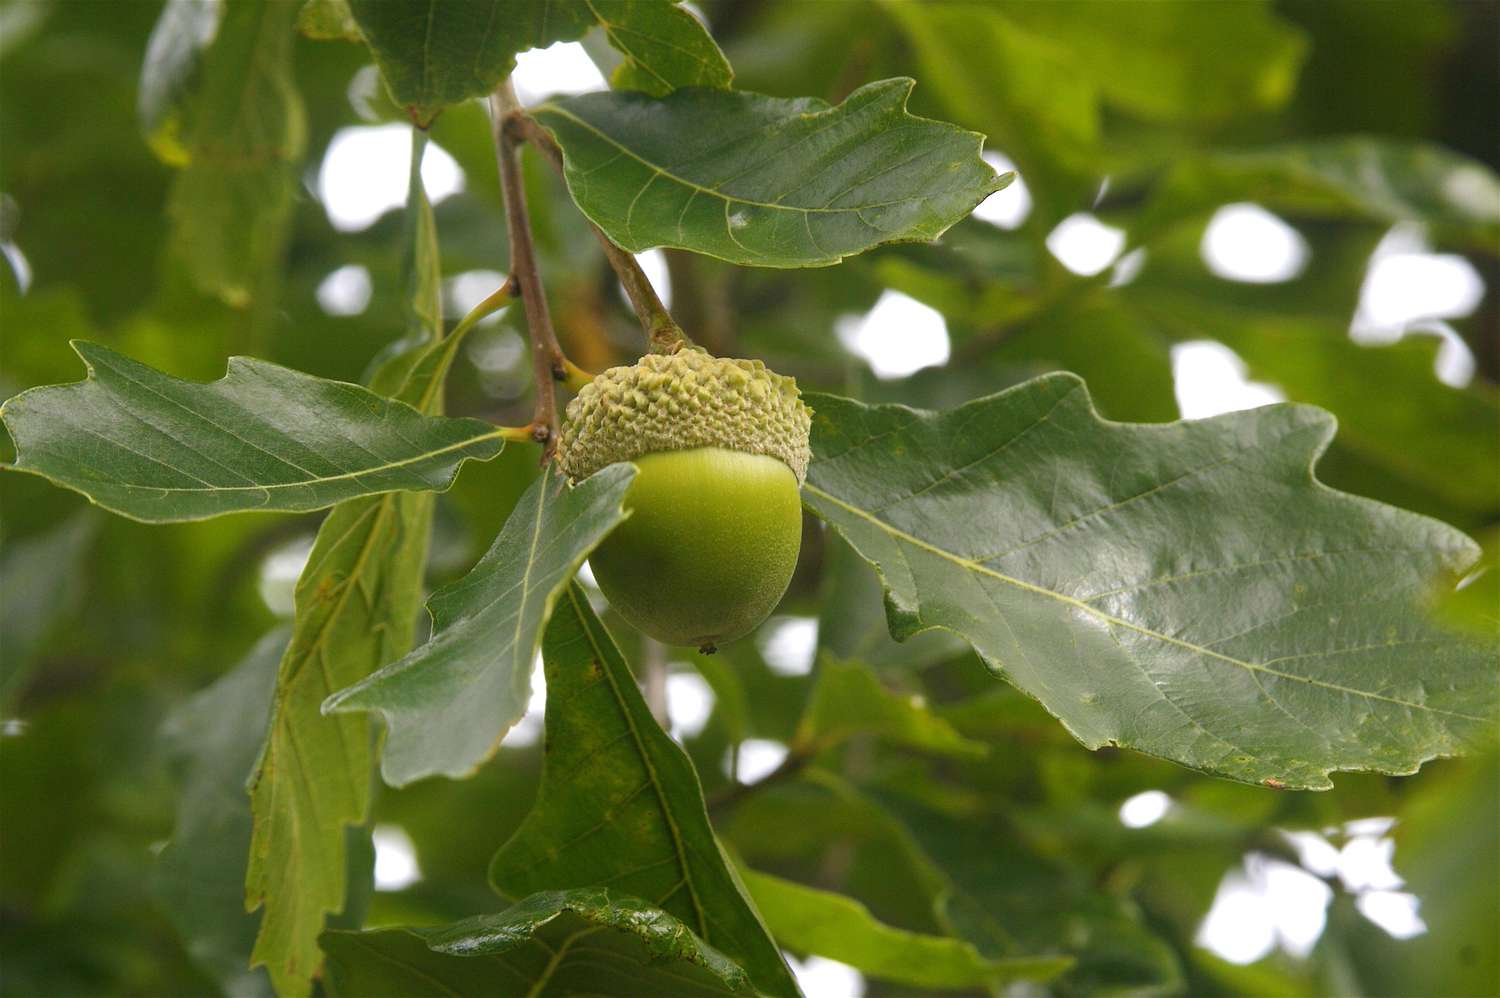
column 681, row 401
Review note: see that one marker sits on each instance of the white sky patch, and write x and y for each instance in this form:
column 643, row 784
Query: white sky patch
column 690, row 701
column 758, row 757
column 654, row 263
column 279, row 571
column 19, row 265
column 12, row 727
column 1365, row 864
column 364, row 174
column 1006, row 208
column 586, row 576
column 898, row 337
column 560, row 69
column 1245, row 242
column 1409, row 289
column 1394, row 911
column 528, row 731
column 1128, row 267
column 395, row 859
column 1145, row 809
column 789, row 644
column 823, row 978
column 1266, row 903
column 1084, row 244
column 346, row 291
column 463, row 292
column 1314, row 852
column 365, row 92
column 1210, row 379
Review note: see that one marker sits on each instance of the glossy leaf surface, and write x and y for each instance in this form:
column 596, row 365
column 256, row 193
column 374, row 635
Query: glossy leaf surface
column 620, row 805
column 448, row 703
column 763, row 181
column 156, row 448
column 554, row 943
column 1188, row 590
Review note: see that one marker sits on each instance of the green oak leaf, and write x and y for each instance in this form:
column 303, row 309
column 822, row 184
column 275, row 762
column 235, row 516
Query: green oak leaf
column 357, row 602
column 848, row 699
column 155, row 448
column 1387, row 180
column 620, row 805
column 664, row 45
column 173, row 60
column 39, row 586
column 809, row 920
column 433, row 55
column 1188, row 590
column 215, row 736
column 554, row 943
column 448, row 703
column 764, row 181
column 241, row 148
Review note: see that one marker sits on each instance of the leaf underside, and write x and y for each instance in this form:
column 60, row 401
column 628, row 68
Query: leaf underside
column 589, row 941
column 1188, row 590
column 448, row 703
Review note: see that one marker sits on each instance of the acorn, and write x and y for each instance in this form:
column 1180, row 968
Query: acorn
column 715, row 518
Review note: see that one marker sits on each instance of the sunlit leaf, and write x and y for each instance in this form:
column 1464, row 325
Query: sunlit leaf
column 765, row 181
column 356, row 601
column 620, row 805
column 808, row 920
column 448, row 703
column 155, row 448
column 1188, row 590
column 588, row 941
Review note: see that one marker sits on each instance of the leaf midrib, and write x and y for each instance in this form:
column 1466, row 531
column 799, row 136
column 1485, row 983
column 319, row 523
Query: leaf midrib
column 711, row 192
column 1077, row 604
column 495, row 434
column 656, row 784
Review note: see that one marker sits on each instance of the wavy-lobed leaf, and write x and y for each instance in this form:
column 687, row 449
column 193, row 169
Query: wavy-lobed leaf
column 433, row 54
column 1188, row 590
column 589, row 941
column 809, row 920
column 448, row 703
column 620, row 805
column 152, row 447
column 764, row 181
column 357, row 602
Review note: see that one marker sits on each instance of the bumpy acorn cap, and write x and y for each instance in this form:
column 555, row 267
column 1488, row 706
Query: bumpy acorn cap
column 681, row 401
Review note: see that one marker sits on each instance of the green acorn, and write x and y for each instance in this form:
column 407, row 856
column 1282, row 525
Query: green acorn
column 715, row 519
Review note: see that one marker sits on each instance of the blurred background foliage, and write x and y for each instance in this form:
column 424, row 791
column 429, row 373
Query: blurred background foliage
column 1368, row 130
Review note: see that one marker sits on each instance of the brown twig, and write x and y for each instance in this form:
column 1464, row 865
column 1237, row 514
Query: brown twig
column 663, row 335
column 548, row 365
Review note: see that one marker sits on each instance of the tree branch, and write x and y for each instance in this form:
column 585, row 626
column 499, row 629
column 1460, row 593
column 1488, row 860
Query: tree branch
column 663, row 335
column 792, row 765
column 548, row 365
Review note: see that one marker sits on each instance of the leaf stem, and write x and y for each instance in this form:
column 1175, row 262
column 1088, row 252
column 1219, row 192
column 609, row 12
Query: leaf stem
column 663, row 334
column 548, row 365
